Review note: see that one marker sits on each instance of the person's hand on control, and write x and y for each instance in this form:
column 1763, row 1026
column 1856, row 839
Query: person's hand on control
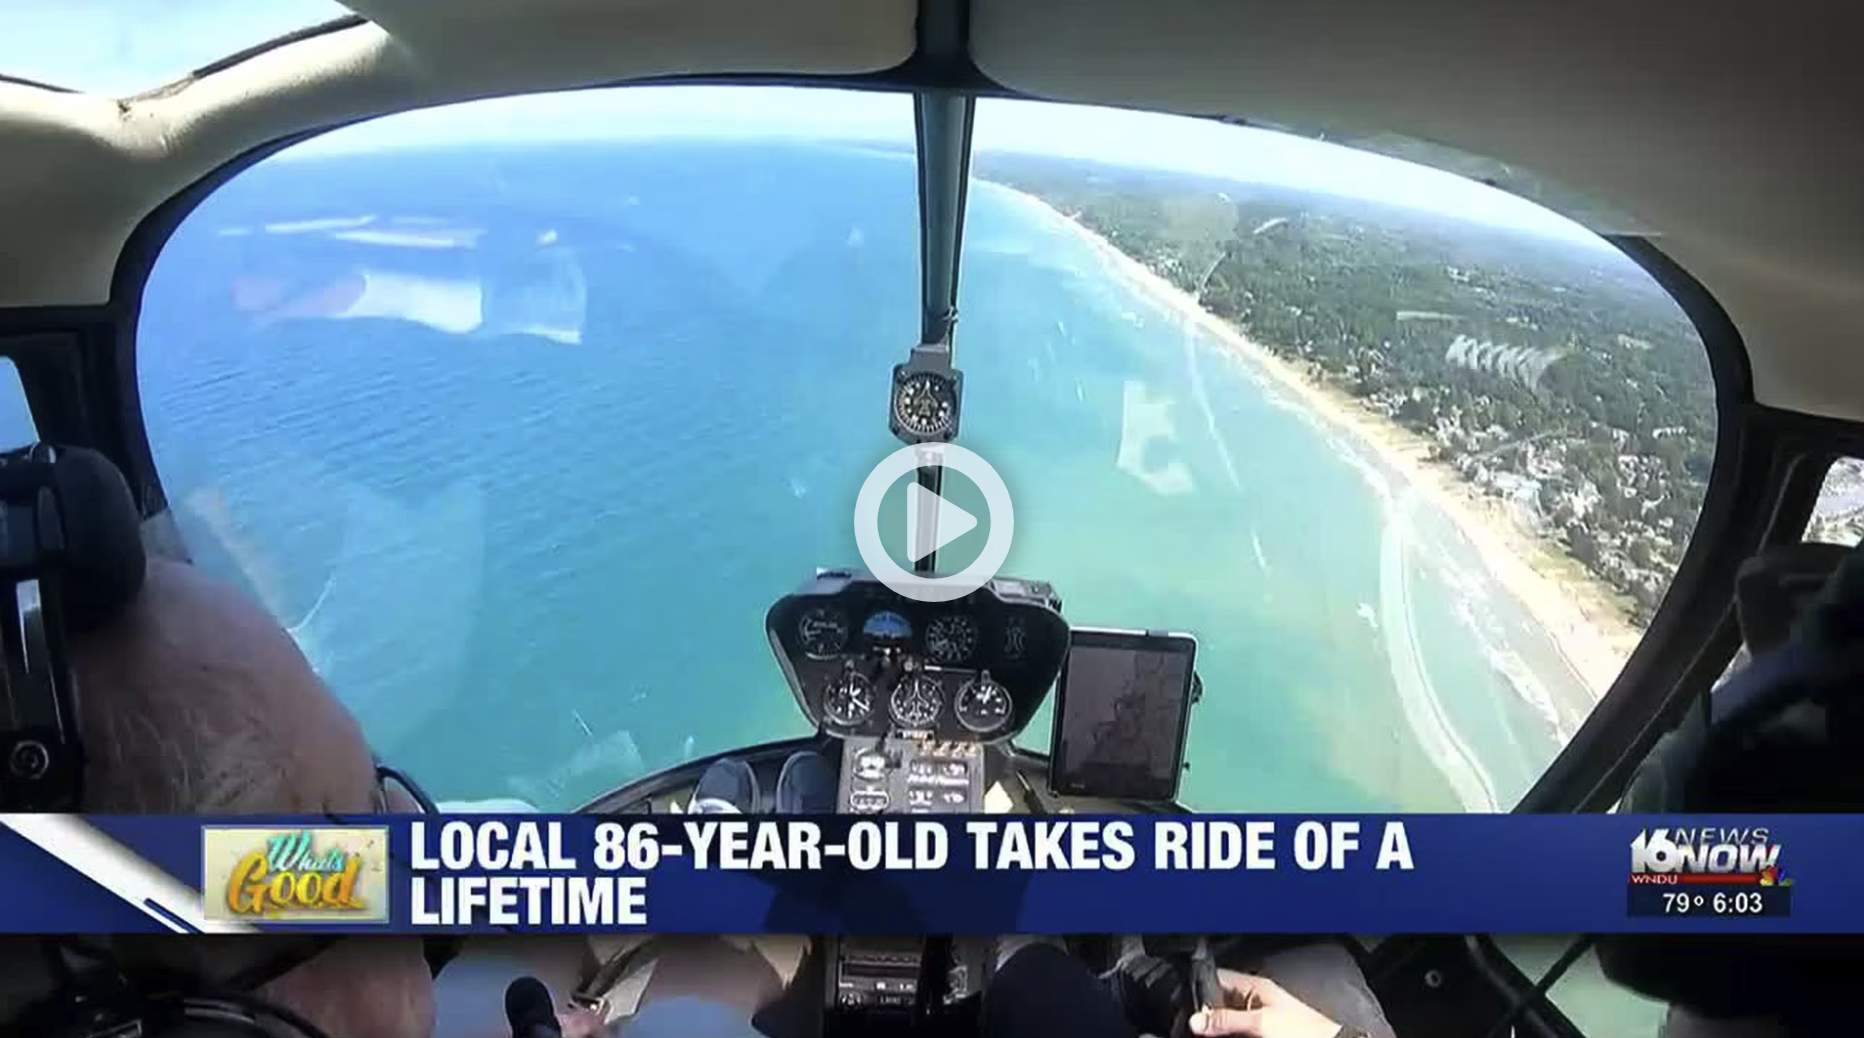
column 1257, row 1007
column 581, row 1022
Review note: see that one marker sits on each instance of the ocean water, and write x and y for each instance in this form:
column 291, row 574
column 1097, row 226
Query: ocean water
column 522, row 444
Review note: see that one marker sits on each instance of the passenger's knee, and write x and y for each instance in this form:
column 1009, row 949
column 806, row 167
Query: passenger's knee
column 1326, row 976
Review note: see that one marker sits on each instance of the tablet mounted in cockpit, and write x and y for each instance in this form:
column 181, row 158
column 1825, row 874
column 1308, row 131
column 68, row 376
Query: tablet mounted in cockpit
column 1122, row 714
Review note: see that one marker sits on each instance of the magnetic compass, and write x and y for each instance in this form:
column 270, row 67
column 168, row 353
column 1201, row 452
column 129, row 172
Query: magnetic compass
column 925, row 405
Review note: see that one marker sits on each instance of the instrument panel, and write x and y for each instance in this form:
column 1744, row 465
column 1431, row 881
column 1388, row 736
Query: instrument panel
column 863, row 660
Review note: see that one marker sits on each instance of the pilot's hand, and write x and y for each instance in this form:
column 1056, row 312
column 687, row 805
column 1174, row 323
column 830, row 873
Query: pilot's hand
column 581, row 1022
column 1259, row 1008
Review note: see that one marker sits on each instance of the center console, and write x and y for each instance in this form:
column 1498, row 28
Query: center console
column 877, row 973
column 903, row 975
column 921, row 695
column 898, row 774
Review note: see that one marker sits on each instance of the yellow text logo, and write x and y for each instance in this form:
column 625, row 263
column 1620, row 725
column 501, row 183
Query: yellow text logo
column 330, row 874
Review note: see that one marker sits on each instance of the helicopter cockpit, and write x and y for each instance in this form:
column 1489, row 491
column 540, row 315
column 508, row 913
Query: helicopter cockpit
column 449, row 338
column 919, row 705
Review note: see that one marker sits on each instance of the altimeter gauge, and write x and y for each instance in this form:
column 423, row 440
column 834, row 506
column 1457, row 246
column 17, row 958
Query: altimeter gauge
column 951, row 639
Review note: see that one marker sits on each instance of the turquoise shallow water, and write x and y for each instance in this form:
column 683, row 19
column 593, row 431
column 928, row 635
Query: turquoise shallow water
column 522, row 445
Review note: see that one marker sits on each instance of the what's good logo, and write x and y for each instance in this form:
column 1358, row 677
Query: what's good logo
column 328, row 874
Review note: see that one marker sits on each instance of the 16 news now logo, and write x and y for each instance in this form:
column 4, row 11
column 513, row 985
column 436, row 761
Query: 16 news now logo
column 1717, row 856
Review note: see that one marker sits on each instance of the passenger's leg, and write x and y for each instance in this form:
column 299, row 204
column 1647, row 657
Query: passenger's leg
column 1044, row 992
column 807, row 785
column 700, row 987
column 469, row 994
column 1326, row 976
column 689, row 1017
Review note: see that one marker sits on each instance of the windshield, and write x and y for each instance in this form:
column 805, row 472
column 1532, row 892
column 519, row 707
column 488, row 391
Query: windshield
column 1414, row 458
column 99, row 46
column 521, row 413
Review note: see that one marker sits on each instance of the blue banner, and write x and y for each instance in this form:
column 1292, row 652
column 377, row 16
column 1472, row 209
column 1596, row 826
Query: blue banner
column 1513, row 874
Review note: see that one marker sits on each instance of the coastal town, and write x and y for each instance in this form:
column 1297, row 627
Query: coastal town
column 1553, row 375
column 1838, row 518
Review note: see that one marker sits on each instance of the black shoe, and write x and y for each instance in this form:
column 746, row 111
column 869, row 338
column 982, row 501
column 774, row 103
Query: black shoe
column 806, row 785
column 728, row 787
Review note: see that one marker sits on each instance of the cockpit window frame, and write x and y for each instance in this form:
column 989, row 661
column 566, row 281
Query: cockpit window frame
column 1754, row 447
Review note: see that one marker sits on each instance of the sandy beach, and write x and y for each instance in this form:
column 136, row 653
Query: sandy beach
column 1580, row 614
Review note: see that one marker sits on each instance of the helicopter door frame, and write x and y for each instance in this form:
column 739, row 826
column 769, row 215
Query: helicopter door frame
column 78, row 366
column 85, row 392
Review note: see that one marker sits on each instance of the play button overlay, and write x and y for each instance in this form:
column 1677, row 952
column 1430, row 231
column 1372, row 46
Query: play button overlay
column 933, row 522
column 947, row 522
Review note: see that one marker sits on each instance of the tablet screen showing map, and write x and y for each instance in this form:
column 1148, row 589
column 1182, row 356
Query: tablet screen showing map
column 1121, row 715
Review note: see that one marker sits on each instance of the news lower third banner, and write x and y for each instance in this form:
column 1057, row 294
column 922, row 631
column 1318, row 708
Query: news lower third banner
column 1514, row 874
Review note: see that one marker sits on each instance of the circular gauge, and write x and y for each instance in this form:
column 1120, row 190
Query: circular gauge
column 951, row 639
column 925, row 404
column 823, row 631
column 887, row 627
column 849, row 699
column 915, row 701
column 1015, row 640
column 982, row 705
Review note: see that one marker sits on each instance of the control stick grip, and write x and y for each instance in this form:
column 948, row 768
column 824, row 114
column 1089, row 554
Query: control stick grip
column 1206, row 989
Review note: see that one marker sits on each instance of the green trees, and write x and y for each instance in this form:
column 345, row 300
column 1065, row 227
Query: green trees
column 1556, row 362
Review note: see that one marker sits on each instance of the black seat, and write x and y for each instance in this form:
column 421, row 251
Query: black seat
column 1772, row 587
column 1793, row 751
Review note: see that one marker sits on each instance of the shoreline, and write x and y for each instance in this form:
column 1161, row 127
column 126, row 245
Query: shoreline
column 1580, row 614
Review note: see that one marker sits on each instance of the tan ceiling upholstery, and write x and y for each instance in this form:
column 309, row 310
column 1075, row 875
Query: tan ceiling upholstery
column 78, row 172
column 1729, row 129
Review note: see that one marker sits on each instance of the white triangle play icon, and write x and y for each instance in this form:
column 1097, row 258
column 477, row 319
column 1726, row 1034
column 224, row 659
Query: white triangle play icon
column 932, row 522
